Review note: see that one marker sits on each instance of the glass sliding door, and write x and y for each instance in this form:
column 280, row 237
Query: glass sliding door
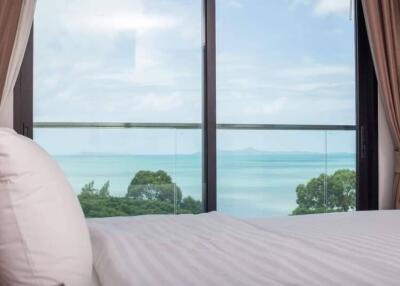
column 117, row 101
column 286, row 107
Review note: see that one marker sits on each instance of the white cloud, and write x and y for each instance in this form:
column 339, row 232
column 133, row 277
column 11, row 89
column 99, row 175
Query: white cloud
column 137, row 58
column 139, row 22
column 317, row 70
column 270, row 107
column 232, row 3
column 236, row 3
column 158, row 103
column 327, row 7
column 162, row 80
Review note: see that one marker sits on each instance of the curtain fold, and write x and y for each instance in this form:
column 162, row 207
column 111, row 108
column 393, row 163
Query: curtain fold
column 16, row 17
column 383, row 24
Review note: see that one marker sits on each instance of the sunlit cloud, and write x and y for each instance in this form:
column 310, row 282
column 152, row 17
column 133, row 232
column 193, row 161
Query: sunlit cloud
column 325, row 7
column 140, row 23
column 231, row 3
column 328, row 7
column 157, row 74
column 157, row 103
column 317, row 70
column 271, row 107
column 236, row 3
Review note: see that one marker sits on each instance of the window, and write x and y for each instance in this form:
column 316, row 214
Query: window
column 249, row 107
column 117, row 101
column 287, row 69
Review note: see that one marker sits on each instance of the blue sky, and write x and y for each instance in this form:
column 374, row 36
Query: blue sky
column 278, row 61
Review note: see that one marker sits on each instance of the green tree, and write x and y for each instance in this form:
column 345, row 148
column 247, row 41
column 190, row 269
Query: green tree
column 340, row 193
column 148, row 185
column 88, row 189
column 104, row 190
column 190, row 205
column 148, row 193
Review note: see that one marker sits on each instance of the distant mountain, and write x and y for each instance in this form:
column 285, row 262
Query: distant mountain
column 245, row 151
column 253, row 151
column 238, row 152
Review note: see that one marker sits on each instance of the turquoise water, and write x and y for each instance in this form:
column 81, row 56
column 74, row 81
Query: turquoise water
column 249, row 185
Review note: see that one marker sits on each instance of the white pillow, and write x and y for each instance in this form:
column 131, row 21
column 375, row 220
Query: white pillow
column 44, row 239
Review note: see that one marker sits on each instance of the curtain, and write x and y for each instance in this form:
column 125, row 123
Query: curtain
column 383, row 24
column 16, row 17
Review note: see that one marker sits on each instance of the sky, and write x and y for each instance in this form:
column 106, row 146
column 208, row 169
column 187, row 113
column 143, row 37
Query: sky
column 278, row 62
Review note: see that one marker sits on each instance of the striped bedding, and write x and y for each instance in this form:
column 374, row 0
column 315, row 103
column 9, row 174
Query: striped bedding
column 358, row 248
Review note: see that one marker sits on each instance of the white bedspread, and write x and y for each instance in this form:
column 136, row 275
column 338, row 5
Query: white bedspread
column 360, row 248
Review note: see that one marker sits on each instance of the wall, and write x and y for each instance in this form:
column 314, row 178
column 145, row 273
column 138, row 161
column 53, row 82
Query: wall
column 6, row 114
column 386, row 161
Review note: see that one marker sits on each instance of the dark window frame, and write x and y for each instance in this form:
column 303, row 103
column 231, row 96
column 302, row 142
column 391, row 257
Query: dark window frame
column 209, row 108
column 367, row 117
column 366, row 111
column 23, row 94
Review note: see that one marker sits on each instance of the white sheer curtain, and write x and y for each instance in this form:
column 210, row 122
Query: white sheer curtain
column 21, row 38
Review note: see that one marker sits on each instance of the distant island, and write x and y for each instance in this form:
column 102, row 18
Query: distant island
column 244, row 151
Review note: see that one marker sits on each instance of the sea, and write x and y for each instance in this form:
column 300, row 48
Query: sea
column 248, row 185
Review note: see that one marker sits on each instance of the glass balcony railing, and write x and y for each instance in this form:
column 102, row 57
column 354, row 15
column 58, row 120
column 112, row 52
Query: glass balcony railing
column 128, row 170
column 285, row 172
column 148, row 168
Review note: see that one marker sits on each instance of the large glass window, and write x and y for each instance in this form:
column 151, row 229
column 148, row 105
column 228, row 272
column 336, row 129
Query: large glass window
column 119, row 89
column 117, row 101
column 286, row 94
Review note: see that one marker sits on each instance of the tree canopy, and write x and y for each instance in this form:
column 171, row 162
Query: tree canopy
column 148, row 193
column 340, row 193
column 89, row 189
column 148, row 185
column 155, row 193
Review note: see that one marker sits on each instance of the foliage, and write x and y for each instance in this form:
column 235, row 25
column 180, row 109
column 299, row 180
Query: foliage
column 155, row 193
column 340, row 194
column 148, row 193
column 104, row 190
column 148, row 185
column 190, row 205
column 89, row 189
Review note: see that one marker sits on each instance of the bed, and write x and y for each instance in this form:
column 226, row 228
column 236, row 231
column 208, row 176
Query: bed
column 356, row 248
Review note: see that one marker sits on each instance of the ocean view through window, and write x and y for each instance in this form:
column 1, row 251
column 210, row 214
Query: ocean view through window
column 122, row 61
column 291, row 80
column 118, row 103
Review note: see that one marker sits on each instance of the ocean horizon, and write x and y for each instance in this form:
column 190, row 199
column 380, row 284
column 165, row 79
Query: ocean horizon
column 250, row 183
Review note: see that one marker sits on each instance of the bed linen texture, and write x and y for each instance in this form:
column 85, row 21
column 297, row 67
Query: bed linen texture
column 95, row 279
column 357, row 248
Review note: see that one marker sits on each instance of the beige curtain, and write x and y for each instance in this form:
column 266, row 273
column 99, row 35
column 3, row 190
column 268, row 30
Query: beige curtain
column 383, row 24
column 16, row 18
